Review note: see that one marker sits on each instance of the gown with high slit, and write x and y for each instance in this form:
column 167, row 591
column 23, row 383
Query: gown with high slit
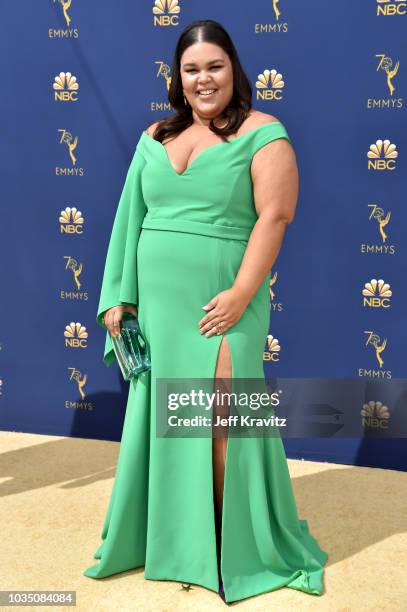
column 178, row 240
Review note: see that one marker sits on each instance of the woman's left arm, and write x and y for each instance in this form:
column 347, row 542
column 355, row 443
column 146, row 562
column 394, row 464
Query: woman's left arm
column 275, row 188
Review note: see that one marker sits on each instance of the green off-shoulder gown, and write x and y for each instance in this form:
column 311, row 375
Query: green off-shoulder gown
column 178, row 240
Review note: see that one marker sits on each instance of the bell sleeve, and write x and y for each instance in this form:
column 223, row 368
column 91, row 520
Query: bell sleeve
column 119, row 284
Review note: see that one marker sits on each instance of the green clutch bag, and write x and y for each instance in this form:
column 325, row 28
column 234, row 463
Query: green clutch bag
column 130, row 348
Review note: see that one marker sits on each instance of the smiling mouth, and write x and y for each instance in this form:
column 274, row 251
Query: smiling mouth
column 205, row 93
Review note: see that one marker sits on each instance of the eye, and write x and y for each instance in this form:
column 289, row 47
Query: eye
column 217, row 67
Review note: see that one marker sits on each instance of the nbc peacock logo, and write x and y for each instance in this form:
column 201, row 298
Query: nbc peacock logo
column 269, row 85
column 65, row 87
column 377, row 294
column 389, row 8
column 166, row 13
column 71, row 221
column 382, row 155
column 75, row 335
column 273, row 349
column 375, row 415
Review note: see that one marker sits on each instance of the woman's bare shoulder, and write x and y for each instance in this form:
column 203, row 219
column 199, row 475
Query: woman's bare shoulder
column 256, row 119
column 151, row 128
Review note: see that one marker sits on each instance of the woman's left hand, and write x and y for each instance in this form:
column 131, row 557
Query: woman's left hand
column 226, row 308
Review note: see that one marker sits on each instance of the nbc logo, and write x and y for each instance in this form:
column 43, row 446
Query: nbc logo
column 75, row 335
column 375, row 415
column 65, row 87
column 273, row 346
column 269, row 85
column 382, row 155
column 377, row 294
column 166, row 13
column 71, row 221
column 391, row 7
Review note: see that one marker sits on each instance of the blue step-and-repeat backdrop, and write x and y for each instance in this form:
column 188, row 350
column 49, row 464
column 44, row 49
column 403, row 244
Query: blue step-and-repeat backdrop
column 81, row 80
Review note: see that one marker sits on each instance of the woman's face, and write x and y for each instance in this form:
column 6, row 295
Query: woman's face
column 206, row 67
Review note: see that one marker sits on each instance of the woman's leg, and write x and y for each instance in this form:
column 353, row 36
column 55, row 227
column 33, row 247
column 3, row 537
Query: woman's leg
column 222, row 384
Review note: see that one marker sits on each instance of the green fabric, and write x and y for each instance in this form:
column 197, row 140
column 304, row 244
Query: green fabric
column 119, row 285
column 177, row 240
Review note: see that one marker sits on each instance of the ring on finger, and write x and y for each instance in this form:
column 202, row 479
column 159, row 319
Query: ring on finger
column 211, row 329
column 219, row 327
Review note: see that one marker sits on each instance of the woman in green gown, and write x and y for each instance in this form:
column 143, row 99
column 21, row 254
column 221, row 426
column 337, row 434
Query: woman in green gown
column 199, row 223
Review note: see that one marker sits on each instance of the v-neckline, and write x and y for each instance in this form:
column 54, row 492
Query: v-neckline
column 181, row 174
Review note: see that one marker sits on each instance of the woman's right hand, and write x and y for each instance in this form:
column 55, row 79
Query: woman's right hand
column 113, row 316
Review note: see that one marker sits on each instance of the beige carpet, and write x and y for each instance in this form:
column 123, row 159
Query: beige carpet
column 54, row 497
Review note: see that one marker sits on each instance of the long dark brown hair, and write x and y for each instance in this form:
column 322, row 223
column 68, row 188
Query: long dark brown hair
column 237, row 110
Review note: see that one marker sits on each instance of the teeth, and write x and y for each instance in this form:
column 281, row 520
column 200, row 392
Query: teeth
column 206, row 91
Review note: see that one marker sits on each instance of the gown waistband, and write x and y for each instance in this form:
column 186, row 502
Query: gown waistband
column 197, row 227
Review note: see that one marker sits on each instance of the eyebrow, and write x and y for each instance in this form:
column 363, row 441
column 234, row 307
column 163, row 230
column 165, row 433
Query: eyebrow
column 209, row 63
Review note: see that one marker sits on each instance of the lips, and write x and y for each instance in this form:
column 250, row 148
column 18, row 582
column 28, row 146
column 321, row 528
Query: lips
column 206, row 92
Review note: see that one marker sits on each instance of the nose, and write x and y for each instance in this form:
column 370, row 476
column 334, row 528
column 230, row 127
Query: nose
column 203, row 77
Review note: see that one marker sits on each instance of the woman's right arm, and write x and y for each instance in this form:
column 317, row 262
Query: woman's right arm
column 119, row 284
column 113, row 316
